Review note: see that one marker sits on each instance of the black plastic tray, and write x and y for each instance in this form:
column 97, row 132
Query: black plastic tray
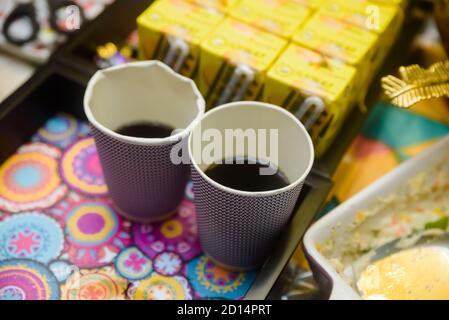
column 58, row 88
column 114, row 25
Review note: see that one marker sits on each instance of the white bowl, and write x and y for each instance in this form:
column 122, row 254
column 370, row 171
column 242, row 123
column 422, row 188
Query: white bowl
column 339, row 218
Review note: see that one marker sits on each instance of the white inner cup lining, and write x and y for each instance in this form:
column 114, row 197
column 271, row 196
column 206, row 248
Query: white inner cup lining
column 122, row 96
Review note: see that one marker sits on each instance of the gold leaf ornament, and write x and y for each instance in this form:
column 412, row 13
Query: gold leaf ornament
column 417, row 84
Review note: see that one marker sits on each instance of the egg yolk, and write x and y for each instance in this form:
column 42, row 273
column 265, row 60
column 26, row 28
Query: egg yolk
column 414, row 274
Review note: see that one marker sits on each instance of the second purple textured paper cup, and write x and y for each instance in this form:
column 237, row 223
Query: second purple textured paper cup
column 144, row 182
column 238, row 229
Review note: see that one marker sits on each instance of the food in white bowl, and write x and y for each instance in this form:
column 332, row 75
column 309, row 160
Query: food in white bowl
column 346, row 248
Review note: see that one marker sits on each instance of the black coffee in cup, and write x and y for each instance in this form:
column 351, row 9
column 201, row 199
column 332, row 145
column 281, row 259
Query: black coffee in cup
column 146, row 129
column 245, row 175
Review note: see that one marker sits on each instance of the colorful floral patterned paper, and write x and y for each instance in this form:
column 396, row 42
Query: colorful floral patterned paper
column 61, row 237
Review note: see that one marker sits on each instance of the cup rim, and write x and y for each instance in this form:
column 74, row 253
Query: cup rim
column 292, row 184
column 181, row 134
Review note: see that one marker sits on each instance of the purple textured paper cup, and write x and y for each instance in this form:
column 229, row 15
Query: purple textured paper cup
column 145, row 180
column 238, row 229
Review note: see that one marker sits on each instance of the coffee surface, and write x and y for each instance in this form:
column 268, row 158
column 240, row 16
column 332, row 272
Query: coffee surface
column 145, row 129
column 246, row 176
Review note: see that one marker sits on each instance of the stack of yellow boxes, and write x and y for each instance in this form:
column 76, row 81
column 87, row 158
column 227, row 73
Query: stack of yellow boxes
column 278, row 51
column 357, row 32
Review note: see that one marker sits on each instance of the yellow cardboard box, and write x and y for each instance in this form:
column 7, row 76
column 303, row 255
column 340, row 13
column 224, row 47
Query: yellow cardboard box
column 234, row 60
column 280, row 17
column 299, row 73
column 338, row 39
column 378, row 17
column 401, row 3
column 222, row 5
column 373, row 16
column 313, row 4
column 172, row 30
